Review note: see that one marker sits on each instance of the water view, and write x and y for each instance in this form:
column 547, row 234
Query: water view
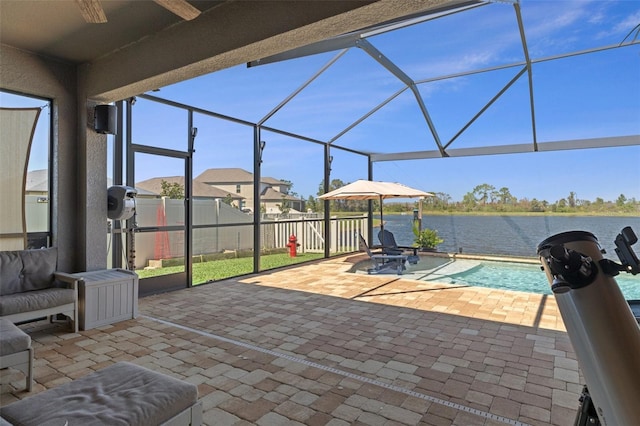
column 508, row 236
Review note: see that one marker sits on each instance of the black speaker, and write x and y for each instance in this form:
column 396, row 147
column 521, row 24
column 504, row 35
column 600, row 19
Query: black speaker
column 105, row 119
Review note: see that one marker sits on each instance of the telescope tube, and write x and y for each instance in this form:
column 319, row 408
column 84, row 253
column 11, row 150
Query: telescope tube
column 599, row 322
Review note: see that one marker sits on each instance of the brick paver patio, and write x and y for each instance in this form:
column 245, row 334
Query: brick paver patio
column 315, row 345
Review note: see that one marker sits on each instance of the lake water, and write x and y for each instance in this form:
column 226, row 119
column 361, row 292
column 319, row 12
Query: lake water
column 509, row 235
column 512, row 236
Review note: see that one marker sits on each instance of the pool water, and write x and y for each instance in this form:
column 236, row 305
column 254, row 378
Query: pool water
column 492, row 274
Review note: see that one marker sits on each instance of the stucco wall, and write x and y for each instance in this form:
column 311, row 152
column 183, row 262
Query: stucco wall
column 81, row 241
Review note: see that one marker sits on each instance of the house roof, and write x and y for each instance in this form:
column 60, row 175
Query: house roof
column 270, row 194
column 200, row 189
column 37, row 181
column 233, row 175
column 225, row 176
column 273, row 181
column 141, row 191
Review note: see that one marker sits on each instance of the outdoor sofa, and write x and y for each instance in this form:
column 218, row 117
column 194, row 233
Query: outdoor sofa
column 31, row 288
column 16, row 351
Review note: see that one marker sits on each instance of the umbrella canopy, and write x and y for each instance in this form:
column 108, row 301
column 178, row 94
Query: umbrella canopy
column 372, row 190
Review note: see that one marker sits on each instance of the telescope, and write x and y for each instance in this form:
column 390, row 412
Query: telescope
column 599, row 321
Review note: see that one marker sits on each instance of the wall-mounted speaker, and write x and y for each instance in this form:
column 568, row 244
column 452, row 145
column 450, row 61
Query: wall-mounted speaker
column 105, row 119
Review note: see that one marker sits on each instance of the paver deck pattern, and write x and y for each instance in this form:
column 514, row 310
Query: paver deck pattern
column 316, row 345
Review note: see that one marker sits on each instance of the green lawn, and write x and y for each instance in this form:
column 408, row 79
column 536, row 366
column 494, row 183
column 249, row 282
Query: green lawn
column 227, row 268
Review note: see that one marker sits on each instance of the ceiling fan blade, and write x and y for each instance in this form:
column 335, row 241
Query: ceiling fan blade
column 180, row 7
column 92, row 11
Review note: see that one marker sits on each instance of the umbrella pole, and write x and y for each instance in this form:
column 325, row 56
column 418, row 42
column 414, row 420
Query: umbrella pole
column 381, row 219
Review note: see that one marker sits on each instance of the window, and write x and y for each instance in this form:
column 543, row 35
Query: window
column 35, row 158
column 237, row 188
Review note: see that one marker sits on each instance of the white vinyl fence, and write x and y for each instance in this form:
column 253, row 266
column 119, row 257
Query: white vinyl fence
column 232, row 230
column 310, row 233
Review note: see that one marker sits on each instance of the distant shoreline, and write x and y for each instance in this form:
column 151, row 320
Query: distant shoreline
column 572, row 214
column 532, row 214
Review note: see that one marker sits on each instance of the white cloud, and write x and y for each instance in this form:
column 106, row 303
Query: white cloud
column 627, row 24
column 553, row 20
column 597, row 18
column 557, row 26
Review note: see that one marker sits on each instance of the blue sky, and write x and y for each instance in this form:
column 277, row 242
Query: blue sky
column 587, row 96
column 595, row 95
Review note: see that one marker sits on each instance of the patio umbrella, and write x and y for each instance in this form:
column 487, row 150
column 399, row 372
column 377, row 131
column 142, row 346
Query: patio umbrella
column 372, row 190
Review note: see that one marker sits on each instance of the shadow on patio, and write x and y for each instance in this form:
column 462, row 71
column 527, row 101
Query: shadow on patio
column 314, row 345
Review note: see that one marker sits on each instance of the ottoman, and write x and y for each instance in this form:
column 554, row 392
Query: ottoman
column 15, row 350
column 121, row 394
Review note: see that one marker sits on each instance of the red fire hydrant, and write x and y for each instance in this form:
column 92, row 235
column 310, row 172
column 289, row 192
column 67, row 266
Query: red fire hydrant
column 293, row 245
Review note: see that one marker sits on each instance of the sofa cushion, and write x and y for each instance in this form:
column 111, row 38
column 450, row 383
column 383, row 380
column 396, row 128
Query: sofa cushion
column 10, row 272
column 27, row 270
column 121, row 394
column 36, row 300
column 39, row 267
column 13, row 339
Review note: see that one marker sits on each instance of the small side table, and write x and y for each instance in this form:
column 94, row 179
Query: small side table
column 106, row 297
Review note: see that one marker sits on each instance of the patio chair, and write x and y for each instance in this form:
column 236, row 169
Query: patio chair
column 389, row 246
column 383, row 262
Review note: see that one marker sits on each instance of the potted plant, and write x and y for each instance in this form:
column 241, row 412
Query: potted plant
column 426, row 239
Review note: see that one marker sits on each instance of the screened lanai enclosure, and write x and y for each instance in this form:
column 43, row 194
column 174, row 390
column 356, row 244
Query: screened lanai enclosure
column 229, row 166
column 383, row 103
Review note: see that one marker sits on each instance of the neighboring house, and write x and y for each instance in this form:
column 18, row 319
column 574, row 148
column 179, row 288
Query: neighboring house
column 200, row 190
column 276, row 184
column 37, row 182
column 239, row 181
column 141, row 192
column 273, row 199
column 37, row 198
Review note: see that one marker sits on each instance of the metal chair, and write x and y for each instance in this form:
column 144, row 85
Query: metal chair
column 383, row 262
column 389, row 246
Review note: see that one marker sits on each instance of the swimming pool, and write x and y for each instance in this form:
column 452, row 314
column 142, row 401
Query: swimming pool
column 493, row 274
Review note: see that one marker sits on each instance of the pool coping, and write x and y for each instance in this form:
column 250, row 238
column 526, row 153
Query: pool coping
column 490, row 257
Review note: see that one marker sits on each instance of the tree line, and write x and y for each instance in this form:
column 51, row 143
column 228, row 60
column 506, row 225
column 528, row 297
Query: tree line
column 484, row 198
